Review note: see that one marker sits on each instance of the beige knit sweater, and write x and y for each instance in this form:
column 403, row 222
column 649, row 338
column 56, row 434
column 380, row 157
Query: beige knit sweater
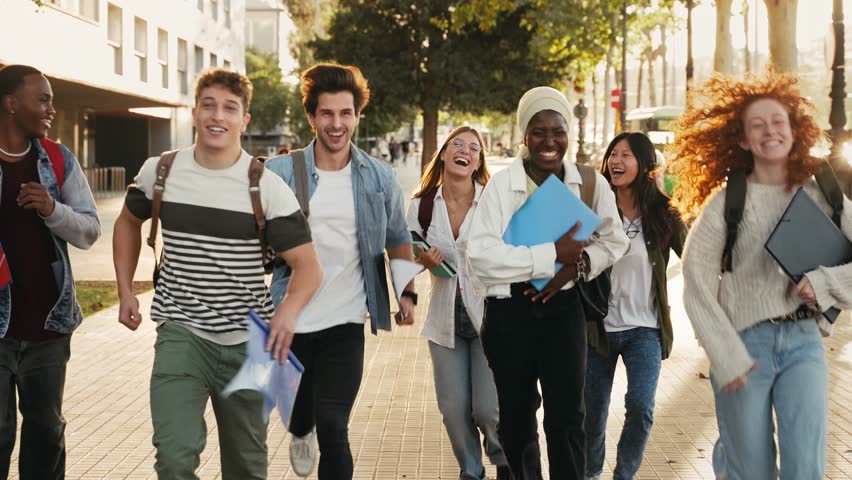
column 757, row 288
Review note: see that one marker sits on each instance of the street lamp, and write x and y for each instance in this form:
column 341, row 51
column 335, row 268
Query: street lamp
column 837, row 117
column 580, row 111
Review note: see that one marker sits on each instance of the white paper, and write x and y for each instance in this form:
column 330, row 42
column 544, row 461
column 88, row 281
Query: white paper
column 402, row 272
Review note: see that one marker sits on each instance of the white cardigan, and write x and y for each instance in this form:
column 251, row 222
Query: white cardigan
column 496, row 265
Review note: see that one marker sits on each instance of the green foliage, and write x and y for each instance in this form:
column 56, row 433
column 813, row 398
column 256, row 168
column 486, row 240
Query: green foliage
column 271, row 95
column 415, row 58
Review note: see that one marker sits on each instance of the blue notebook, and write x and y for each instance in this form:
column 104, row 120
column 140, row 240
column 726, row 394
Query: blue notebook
column 546, row 215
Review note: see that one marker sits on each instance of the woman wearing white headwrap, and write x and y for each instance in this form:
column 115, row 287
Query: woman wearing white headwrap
column 528, row 336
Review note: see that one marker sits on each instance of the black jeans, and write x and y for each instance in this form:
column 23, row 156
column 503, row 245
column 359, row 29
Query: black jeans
column 526, row 343
column 334, row 361
column 36, row 370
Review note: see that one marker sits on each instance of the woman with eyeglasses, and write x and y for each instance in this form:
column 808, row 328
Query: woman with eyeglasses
column 637, row 327
column 440, row 213
column 535, row 337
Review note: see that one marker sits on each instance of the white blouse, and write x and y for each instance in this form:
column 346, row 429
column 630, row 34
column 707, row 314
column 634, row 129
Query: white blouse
column 439, row 326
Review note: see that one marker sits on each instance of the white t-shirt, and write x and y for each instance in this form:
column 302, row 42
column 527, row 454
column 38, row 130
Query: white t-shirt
column 342, row 297
column 631, row 303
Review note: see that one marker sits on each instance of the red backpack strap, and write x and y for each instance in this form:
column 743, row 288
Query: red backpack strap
column 57, row 160
column 424, row 213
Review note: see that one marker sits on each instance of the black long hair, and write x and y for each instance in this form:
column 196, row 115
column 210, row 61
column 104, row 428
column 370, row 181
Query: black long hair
column 658, row 218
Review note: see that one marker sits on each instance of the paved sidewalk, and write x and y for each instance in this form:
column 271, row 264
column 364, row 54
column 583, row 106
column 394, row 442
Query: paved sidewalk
column 396, row 429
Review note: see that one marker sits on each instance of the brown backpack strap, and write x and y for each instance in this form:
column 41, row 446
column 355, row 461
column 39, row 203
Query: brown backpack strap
column 164, row 166
column 300, row 171
column 587, row 189
column 255, row 172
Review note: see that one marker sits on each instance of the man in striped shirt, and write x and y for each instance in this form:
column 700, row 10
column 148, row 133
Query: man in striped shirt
column 211, row 274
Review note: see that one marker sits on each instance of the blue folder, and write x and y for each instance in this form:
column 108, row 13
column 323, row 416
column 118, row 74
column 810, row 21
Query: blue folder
column 278, row 383
column 546, row 215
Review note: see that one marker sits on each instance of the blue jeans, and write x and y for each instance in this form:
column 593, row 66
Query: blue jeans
column 641, row 351
column 467, row 399
column 791, row 378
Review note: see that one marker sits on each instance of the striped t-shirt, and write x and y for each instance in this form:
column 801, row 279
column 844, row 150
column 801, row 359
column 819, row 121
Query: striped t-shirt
column 212, row 270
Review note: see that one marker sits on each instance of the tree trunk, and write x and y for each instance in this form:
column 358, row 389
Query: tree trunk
column 430, row 135
column 723, row 61
column 595, row 109
column 652, row 86
column 746, row 49
column 610, row 56
column 782, row 33
column 639, row 82
column 663, row 52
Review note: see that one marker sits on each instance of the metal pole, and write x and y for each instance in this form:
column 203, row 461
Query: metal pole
column 580, row 111
column 837, row 118
column 622, row 114
column 689, row 67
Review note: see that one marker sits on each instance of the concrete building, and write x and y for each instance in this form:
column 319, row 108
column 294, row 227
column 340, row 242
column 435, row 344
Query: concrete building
column 123, row 71
column 268, row 29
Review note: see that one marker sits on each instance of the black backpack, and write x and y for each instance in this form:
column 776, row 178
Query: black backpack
column 735, row 195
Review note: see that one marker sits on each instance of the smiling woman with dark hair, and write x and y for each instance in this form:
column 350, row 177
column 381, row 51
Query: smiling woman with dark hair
column 532, row 337
column 638, row 325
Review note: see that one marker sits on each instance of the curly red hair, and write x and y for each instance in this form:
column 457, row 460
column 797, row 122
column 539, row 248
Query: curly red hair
column 706, row 146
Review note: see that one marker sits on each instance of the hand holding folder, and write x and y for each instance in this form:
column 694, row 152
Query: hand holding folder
column 278, row 382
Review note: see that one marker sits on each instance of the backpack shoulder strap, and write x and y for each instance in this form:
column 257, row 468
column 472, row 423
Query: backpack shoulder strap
column 735, row 195
column 424, row 211
column 255, row 172
column 164, row 166
column 587, row 189
column 57, row 160
column 827, row 182
column 300, row 171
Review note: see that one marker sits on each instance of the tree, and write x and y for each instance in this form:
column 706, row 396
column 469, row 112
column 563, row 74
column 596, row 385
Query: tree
column 723, row 61
column 270, row 97
column 782, row 33
column 415, row 57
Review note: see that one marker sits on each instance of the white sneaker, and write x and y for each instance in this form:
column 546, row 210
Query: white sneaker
column 303, row 454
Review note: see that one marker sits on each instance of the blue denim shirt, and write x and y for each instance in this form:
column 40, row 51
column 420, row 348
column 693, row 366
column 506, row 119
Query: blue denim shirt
column 74, row 220
column 379, row 219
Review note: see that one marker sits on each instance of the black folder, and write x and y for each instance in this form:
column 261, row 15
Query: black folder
column 806, row 238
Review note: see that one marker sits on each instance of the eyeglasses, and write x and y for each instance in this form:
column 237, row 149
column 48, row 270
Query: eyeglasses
column 632, row 230
column 475, row 148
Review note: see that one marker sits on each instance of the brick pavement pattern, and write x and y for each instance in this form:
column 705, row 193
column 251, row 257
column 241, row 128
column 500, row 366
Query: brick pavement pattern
column 396, row 429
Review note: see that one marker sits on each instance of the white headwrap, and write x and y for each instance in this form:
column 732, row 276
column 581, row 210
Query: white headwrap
column 536, row 100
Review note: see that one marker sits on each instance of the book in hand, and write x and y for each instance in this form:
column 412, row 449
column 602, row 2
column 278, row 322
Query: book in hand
column 805, row 239
column 549, row 213
column 279, row 383
column 444, row 270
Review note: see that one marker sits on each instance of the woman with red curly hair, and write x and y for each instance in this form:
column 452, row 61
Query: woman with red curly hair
column 764, row 356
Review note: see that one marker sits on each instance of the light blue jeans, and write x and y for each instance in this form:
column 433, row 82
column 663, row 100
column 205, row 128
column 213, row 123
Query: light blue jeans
column 791, row 378
column 467, row 399
column 641, row 351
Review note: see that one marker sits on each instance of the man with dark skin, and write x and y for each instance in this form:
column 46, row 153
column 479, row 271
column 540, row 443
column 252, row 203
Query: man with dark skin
column 39, row 215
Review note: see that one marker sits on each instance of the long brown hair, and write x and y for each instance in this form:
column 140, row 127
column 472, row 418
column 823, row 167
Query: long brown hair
column 706, row 147
column 433, row 175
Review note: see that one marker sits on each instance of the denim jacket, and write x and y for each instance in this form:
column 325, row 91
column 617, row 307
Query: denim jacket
column 379, row 219
column 74, row 220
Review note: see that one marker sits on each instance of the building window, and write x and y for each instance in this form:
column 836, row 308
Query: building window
column 84, row 8
column 140, row 47
column 114, row 38
column 183, row 66
column 226, row 5
column 214, row 60
column 200, row 5
column 214, row 10
column 199, row 60
column 163, row 55
column 226, row 64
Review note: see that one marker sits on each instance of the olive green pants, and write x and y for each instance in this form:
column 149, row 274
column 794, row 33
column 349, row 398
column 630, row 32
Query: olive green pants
column 189, row 370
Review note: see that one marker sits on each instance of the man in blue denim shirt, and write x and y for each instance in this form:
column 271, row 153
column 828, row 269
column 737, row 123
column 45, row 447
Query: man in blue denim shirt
column 355, row 214
column 39, row 216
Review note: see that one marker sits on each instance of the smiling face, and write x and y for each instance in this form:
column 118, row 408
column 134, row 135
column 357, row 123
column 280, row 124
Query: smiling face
column 219, row 118
column 462, row 155
column 334, row 121
column 622, row 165
column 766, row 131
column 547, row 140
column 32, row 104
